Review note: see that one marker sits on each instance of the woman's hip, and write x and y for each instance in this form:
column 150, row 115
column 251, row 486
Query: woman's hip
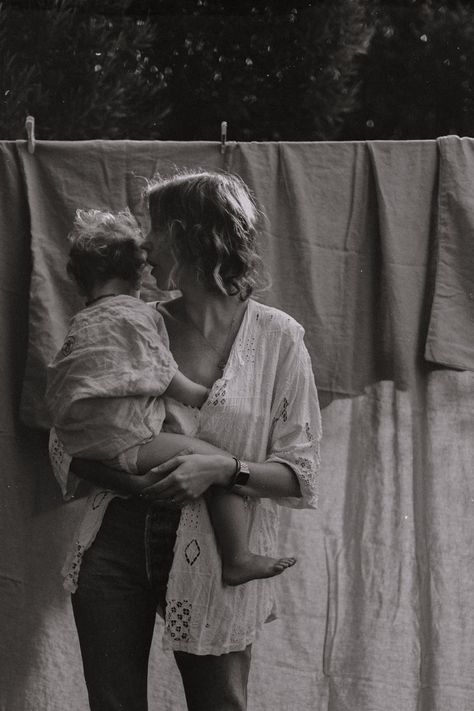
column 133, row 549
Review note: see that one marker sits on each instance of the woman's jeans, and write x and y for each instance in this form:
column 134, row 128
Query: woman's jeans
column 122, row 580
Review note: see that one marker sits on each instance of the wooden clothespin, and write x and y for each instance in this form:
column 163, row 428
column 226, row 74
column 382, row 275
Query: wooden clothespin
column 30, row 132
column 223, row 135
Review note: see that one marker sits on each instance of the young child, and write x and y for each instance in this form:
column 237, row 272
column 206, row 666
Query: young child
column 106, row 383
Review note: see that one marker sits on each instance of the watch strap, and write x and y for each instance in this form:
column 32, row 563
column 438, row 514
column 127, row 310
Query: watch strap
column 240, row 476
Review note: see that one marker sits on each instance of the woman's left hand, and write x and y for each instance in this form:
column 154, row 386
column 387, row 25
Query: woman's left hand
column 188, row 476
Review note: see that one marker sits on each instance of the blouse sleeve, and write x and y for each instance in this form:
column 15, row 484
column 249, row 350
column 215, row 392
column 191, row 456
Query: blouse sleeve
column 296, row 422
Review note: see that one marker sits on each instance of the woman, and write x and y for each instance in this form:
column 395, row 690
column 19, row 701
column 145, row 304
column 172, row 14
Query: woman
column 262, row 413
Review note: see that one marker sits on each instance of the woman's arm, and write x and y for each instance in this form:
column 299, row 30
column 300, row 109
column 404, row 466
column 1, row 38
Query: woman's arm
column 271, row 480
column 188, row 476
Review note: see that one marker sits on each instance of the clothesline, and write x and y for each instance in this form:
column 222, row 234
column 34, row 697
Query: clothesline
column 30, row 123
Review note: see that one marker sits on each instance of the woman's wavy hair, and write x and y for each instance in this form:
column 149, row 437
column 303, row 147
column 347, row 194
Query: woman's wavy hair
column 211, row 221
column 105, row 245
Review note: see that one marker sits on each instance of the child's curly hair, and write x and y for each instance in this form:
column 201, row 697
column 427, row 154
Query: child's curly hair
column 211, row 221
column 105, row 245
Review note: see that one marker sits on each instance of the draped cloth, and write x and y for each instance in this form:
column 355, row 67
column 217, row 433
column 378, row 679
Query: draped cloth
column 370, row 247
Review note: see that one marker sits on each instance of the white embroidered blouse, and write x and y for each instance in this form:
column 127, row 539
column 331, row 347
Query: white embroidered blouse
column 263, row 408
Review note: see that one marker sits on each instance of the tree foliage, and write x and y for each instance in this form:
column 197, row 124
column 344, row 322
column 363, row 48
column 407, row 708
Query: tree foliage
column 161, row 69
column 272, row 74
column 301, row 70
column 416, row 80
column 80, row 73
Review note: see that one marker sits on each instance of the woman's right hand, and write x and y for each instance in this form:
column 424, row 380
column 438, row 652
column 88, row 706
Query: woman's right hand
column 185, row 477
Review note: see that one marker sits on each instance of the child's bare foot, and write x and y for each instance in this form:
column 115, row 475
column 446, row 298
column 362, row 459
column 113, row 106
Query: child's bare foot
column 254, row 567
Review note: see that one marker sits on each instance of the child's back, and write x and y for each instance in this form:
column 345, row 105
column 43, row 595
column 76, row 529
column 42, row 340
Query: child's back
column 105, row 383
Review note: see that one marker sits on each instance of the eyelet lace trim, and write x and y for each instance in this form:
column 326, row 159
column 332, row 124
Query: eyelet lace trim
column 219, row 394
column 308, row 471
column 56, row 452
column 190, row 515
column 72, row 577
column 178, row 619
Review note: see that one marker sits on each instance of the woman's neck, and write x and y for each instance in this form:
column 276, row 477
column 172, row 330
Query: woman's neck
column 209, row 310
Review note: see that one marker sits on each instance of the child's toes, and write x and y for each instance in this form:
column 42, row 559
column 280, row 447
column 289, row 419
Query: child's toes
column 284, row 563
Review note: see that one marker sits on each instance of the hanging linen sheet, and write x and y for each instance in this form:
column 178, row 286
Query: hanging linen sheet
column 378, row 613
column 349, row 244
column 451, row 335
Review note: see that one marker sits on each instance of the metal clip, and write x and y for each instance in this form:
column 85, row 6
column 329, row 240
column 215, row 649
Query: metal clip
column 30, row 132
column 223, row 135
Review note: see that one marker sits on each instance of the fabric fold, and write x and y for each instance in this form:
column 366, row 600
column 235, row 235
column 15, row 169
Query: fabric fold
column 405, row 184
column 450, row 338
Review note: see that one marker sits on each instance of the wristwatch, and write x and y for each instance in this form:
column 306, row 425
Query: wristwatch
column 240, row 476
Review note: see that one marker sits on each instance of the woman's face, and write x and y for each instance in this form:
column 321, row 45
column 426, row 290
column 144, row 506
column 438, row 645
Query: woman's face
column 161, row 258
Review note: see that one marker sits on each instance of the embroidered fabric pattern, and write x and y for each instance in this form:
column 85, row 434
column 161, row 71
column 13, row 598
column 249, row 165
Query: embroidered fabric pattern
column 178, row 618
column 72, row 576
column 248, row 350
column 192, row 552
column 68, row 346
column 308, row 473
column 190, row 515
column 282, row 413
column 56, row 452
column 219, row 395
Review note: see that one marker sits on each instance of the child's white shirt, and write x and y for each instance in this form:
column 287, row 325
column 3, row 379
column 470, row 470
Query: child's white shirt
column 105, row 383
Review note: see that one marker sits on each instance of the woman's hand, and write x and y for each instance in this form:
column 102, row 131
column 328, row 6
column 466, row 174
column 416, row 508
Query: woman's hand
column 188, row 476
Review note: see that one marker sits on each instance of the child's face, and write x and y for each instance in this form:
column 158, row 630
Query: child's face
column 161, row 257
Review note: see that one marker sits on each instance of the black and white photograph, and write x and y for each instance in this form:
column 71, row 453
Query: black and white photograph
column 237, row 355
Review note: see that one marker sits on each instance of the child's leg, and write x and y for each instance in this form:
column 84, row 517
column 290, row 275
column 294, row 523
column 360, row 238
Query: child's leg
column 230, row 522
column 166, row 445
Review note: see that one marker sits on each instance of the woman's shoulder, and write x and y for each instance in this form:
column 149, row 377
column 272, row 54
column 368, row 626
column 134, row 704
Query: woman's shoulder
column 273, row 320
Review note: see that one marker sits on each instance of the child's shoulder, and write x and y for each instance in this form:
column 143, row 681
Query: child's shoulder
column 130, row 303
column 124, row 305
column 117, row 312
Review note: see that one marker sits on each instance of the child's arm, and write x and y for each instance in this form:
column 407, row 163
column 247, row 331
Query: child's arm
column 186, row 391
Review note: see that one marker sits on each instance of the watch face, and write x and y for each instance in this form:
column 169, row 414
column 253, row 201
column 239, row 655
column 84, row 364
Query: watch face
column 243, row 475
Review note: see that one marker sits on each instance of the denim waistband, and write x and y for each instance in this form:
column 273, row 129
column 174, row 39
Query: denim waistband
column 142, row 505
